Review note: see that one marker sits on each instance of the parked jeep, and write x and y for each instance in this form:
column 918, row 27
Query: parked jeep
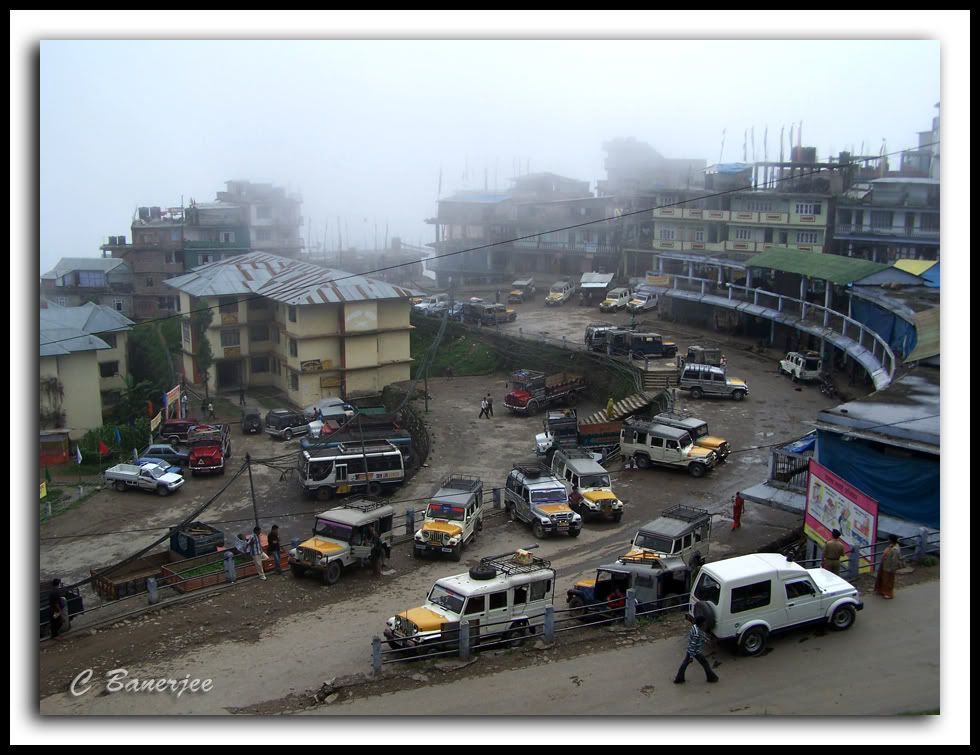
column 707, row 380
column 747, row 598
column 698, row 429
column 649, row 443
column 341, row 539
column 798, row 366
column 453, row 517
column 615, row 300
column 521, row 291
column 657, row 583
column 589, row 492
column 680, row 532
column 533, row 495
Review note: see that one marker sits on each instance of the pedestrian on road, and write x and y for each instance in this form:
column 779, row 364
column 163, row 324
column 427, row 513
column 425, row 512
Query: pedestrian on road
column 275, row 549
column 58, row 603
column 377, row 551
column 241, row 396
column 498, row 296
column 483, row 410
column 609, row 408
column 738, row 504
column 255, row 551
column 210, row 410
column 695, row 644
column 891, row 562
column 183, row 405
column 833, row 549
column 489, row 406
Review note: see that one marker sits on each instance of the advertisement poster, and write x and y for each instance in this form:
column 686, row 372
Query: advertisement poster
column 834, row 504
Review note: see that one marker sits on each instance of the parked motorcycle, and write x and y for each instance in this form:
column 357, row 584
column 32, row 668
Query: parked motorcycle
column 827, row 387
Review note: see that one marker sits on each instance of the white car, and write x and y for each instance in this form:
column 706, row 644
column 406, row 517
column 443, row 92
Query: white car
column 799, row 366
column 747, row 598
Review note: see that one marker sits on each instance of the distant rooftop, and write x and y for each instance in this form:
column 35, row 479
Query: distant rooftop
column 71, row 264
column 829, row 267
column 284, row 280
column 477, row 197
column 66, row 330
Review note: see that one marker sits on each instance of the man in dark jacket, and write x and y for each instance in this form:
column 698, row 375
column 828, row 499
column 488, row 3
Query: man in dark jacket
column 695, row 645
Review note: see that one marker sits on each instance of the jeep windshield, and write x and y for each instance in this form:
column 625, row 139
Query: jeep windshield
column 553, row 495
column 155, row 472
column 332, row 530
column 700, row 431
column 811, row 363
column 557, row 289
column 445, row 598
column 445, row 511
column 651, row 542
column 594, row 481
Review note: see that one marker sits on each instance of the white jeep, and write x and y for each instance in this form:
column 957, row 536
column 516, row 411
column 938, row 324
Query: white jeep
column 798, row 366
column 747, row 598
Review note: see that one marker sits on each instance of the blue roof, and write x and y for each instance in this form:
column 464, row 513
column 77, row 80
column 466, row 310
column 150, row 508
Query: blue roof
column 931, row 276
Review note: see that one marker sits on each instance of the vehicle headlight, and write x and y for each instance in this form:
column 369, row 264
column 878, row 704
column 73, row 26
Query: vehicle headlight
column 293, row 553
column 547, row 520
column 418, row 535
column 454, row 540
column 576, row 518
column 323, row 561
column 391, row 623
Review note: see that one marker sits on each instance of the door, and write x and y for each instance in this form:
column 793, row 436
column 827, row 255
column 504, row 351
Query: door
column 498, row 613
column 656, row 448
column 802, row 602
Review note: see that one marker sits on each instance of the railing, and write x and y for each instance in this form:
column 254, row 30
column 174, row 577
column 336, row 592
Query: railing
column 917, row 547
column 788, row 470
column 891, row 231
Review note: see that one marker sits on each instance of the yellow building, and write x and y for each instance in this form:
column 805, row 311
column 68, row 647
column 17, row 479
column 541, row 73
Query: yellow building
column 82, row 364
column 313, row 332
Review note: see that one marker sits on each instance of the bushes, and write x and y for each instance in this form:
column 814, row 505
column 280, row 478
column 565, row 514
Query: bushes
column 131, row 436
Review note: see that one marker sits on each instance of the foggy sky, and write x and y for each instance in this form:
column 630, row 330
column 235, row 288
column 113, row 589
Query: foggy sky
column 361, row 128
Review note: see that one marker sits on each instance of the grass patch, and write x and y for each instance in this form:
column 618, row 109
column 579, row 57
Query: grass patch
column 460, row 355
column 213, row 567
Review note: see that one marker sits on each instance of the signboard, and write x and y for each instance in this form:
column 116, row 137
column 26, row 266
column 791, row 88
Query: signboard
column 44, row 489
column 329, row 381
column 155, row 422
column 834, row 504
column 658, row 280
column 232, row 352
column 229, row 318
column 314, row 365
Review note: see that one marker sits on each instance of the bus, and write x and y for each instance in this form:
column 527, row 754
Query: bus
column 367, row 467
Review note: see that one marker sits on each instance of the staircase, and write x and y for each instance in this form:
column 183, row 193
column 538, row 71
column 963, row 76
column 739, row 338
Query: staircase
column 625, row 408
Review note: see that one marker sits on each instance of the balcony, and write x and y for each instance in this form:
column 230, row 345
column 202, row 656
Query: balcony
column 893, row 232
column 741, row 246
column 668, row 212
column 207, row 245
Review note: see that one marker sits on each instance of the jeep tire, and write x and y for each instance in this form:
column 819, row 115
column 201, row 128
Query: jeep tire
column 288, row 435
column 331, row 574
column 574, row 533
column 163, row 490
column 457, row 552
column 643, row 462
column 373, row 489
column 739, row 395
column 696, row 393
column 119, row 485
column 481, row 572
column 753, row 640
column 842, row 618
column 697, row 470
column 538, row 529
column 576, row 607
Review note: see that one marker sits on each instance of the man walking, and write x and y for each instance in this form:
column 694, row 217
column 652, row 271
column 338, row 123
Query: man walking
column 695, row 644
column 483, row 410
column 210, row 410
column 489, row 406
column 241, row 395
column 275, row 549
column 255, row 551
column 738, row 505
column 833, row 549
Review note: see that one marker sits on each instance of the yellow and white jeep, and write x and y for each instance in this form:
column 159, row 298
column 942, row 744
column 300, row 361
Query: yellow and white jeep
column 453, row 517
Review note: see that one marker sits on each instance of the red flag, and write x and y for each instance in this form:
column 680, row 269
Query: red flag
column 103, row 449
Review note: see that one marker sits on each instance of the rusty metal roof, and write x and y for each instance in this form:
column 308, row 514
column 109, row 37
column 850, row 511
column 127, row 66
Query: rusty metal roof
column 284, row 280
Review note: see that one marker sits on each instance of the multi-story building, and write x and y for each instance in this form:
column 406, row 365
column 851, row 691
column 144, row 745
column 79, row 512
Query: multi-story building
column 82, row 364
column 519, row 231
column 77, row 280
column 312, row 332
column 271, row 214
column 213, row 231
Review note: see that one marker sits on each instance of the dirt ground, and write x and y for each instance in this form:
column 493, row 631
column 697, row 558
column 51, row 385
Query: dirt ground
column 304, row 632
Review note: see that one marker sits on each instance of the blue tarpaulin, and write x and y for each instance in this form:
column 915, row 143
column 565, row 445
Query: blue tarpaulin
column 899, row 333
column 802, row 445
column 931, row 276
column 905, row 484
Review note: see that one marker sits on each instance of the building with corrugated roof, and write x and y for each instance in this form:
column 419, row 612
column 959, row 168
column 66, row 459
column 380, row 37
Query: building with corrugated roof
column 311, row 331
column 76, row 280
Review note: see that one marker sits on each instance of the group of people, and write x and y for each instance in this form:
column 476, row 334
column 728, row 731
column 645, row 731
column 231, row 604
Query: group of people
column 486, row 407
column 252, row 546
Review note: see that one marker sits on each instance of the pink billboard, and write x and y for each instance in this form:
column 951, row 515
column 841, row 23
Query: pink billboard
column 834, row 504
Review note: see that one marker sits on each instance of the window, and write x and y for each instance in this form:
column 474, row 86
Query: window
column 175, row 234
column 228, row 305
column 743, row 234
column 644, row 580
column 227, row 237
column 808, row 208
column 293, row 348
column 881, row 220
column 671, row 445
column 656, row 442
column 498, row 600
column 263, row 234
column 539, row 590
column 91, row 279
column 206, row 258
column 230, row 337
column 708, row 589
column 929, row 222
column 758, row 206
column 520, row 595
column 806, row 237
column 294, row 380
column 109, row 338
column 260, row 364
column 799, row 588
column 699, row 234
column 475, row 605
column 149, row 282
column 639, row 437
column 168, row 258
column 185, row 331
column 275, row 335
column 666, row 234
column 756, row 595
column 165, row 302
column 117, row 304
column 108, row 369
column 258, row 332
column 258, row 304
column 292, row 313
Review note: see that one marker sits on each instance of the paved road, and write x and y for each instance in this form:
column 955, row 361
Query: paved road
column 888, row 663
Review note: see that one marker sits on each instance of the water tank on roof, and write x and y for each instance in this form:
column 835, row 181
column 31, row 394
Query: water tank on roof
column 155, row 213
column 122, row 240
column 144, row 213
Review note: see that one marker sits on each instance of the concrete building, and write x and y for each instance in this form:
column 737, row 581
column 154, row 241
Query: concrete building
column 77, row 280
column 82, row 364
column 312, row 332
column 271, row 214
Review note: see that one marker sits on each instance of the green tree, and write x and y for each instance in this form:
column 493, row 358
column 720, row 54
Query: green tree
column 149, row 360
column 201, row 320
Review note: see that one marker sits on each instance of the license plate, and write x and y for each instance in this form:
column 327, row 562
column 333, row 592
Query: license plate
column 562, row 524
column 446, row 550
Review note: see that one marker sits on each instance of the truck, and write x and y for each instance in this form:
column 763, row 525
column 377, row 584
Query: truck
column 210, row 447
column 531, row 391
column 562, row 429
column 147, row 477
column 453, row 517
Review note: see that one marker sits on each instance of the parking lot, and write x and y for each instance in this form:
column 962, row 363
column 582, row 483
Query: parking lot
column 295, row 620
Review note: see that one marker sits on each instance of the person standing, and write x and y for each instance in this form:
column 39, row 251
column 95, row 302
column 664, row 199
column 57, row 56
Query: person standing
column 275, row 549
column 695, row 645
column 183, row 405
column 738, row 505
column 58, row 604
column 241, row 395
column 833, row 550
column 483, row 410
column 255, row 551
column 489, row 406
column 609, row 408
column 891, row 562
column 498, row 296
column 210, row 410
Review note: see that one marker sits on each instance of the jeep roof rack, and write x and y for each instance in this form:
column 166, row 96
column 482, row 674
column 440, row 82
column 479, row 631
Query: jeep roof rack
column 574, row 453
column 363, row 504
column 461, row 482
column 505, row 563
column 533, row 469
column 685, row 513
